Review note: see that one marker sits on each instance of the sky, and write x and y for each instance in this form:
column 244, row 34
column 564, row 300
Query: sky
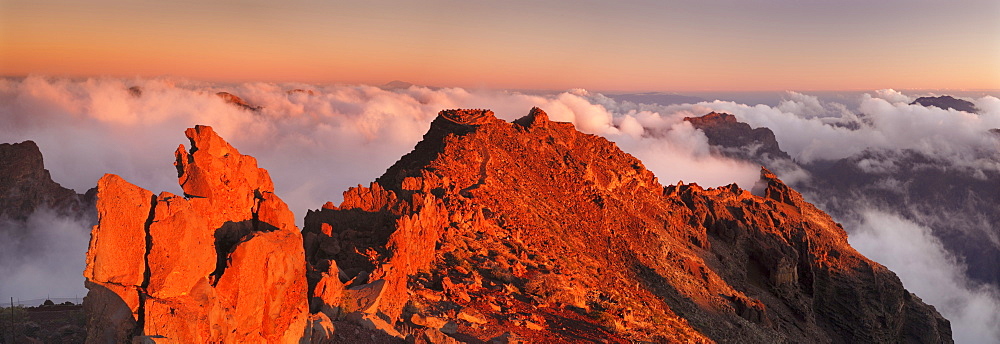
column 610, row 46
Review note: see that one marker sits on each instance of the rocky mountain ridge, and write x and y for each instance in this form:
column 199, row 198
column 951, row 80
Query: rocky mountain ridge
column 958, row 204
column 25, row 185
column 947, row 102
column 738, row 140
column 487, row 231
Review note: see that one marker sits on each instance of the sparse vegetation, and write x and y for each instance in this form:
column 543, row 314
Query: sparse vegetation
column 17, row 326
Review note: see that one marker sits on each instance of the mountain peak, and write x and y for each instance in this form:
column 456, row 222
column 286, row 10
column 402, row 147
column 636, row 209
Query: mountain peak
column 237, row 101
column 26, row 186
column 486, row 231
column 491, row 226
column 774, row 188
column 397, row 84
column 735, row 139
column 947, row 102
column 712, row 118
column 534, row 119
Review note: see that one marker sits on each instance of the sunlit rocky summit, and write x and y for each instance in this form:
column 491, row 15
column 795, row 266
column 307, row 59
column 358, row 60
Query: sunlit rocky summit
column 488, row 231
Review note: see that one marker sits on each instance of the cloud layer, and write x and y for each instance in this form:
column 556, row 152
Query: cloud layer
column 43, row 257
column 317, row 145
column 932, row 273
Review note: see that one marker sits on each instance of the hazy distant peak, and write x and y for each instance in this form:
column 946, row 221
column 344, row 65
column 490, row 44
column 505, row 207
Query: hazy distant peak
column 237, row 101
column 947, row 102
column 396, row 85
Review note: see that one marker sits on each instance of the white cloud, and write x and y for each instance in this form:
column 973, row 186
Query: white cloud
column 893, row 96
column 315, row 146
column 43, row 257
column 805, row 127
column 928, row 270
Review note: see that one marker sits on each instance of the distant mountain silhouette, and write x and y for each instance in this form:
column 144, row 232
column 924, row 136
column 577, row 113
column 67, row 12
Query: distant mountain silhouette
column 947, row 102
column 961, row 208
column 402, row 85
column 737, row 139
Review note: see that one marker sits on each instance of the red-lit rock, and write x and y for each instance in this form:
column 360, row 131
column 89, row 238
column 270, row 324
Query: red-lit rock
column 548, row 234
column 225, row 263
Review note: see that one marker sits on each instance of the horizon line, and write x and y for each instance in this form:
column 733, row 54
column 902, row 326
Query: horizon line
column 602, row 91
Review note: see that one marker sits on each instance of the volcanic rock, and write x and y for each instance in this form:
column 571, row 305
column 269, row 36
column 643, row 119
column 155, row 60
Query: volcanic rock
column 737, row 139
column 223, row 263
column 957, row 203
column 25, row 185
column 237, row 101
column 947, row 102
column 547, row 234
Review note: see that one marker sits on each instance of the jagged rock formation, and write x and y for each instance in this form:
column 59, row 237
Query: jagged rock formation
column 737, row 139
column 947, row 102
column 237, row 101
column 30, row 201
column 958, row 203
column 534, row 231
column 25, row 185
column 223, row 263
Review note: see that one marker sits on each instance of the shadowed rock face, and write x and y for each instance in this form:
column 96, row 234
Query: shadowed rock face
column 237, row 101
column 534, row 230
column 223, row 263
column 961, row 208
column 737, row 139
column 25, row 185
column 947, row 102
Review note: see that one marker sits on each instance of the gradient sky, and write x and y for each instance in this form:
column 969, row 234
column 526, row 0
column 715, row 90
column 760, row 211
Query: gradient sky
column 614, row 45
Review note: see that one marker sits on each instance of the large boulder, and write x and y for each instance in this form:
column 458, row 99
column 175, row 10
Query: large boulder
column 223, row 263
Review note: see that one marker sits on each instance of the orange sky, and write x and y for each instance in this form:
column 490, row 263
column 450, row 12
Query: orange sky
column 628, row 45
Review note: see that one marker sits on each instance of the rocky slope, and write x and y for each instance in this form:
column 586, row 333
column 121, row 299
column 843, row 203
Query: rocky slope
column 491, row 230
column 738, row 140
column 947, row 102
column 29, row 200
column 222, row 263
column 487, row 231
column 958, row 203
column 25, row 185
column 235, row 100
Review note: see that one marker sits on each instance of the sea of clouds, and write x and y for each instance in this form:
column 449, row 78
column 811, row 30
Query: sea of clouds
column 317, row 145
